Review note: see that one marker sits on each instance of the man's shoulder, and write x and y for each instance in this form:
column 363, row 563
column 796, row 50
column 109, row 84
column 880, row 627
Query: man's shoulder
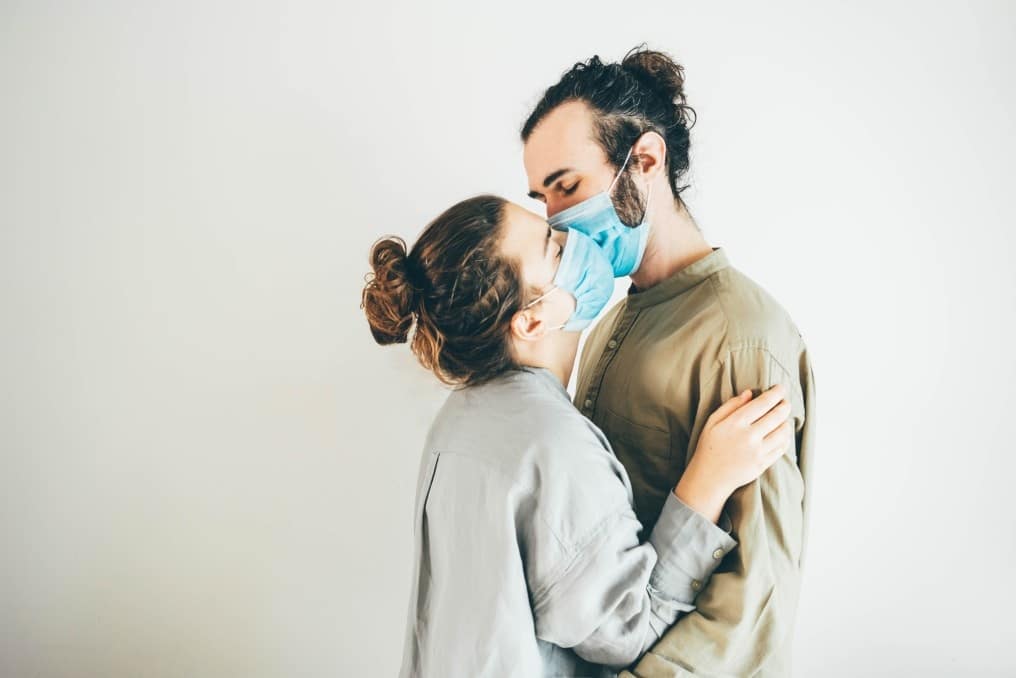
column 753, row 317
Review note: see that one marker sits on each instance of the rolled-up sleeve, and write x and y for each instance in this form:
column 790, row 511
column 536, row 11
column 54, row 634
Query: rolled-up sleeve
column 616, row 595
column 688, row 548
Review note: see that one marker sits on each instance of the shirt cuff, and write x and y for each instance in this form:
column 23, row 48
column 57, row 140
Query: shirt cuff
column 688, row 547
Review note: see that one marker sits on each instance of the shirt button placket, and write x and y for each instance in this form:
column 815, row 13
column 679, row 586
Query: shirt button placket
column 620, row 329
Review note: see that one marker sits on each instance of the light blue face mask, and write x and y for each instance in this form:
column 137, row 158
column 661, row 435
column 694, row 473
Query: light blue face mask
column 585, row 273
column 597, row 218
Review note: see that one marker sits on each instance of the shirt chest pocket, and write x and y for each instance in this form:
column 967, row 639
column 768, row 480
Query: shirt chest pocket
column 633, row 440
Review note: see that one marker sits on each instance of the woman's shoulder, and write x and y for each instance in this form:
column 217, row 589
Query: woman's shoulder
column 542, row 451
column 518, row 420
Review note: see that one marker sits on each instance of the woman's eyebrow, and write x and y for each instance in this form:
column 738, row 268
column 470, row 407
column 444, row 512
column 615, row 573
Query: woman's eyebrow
column 546, row 247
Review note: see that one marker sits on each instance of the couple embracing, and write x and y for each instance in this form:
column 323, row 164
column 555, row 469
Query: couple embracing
column 656, row 525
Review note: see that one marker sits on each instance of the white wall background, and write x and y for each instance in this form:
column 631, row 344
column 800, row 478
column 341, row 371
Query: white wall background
column 207, row 465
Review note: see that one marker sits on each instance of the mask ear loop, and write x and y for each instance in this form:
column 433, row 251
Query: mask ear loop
column 541, row 298
column 624, row 164
column 649, row 192
column 620, row 171
column 538, row 299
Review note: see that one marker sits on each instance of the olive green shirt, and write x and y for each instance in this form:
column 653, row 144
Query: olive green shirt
column 653, row 370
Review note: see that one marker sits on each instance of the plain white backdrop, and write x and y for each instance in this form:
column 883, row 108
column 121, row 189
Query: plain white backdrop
column 208, row 467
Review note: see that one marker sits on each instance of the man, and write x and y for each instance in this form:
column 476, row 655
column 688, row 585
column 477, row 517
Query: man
column 606, row 149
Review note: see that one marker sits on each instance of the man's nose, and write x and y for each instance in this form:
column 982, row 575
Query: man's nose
column 555, row 204
column 552, row 207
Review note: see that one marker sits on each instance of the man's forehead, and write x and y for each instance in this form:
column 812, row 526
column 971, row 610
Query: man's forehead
column 564, row 136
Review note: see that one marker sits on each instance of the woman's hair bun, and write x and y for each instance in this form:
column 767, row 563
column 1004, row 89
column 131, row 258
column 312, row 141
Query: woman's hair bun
column 390, row 297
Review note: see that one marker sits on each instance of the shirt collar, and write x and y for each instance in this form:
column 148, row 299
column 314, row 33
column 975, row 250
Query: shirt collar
column 549, row 379
column 682, row 281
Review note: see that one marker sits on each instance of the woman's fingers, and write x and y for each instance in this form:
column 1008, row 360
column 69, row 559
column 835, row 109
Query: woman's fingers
column 730, row 406
column 772, row 419
column 754, row 410
column 778, row 442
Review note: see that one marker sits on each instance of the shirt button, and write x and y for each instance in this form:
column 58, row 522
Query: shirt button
column 588, row 404
column 696, row 585
column 717, row 554
column 611, row 344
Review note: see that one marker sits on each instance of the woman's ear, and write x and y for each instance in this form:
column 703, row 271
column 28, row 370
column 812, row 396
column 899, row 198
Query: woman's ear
column 528, row 325
column 651, row 150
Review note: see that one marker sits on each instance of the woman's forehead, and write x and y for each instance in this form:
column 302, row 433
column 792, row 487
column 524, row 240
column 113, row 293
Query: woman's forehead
column 525, row 233
column 526, row 224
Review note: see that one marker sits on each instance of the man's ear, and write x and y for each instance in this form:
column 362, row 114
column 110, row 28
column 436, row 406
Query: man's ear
column 651, row 150
column 528, row 325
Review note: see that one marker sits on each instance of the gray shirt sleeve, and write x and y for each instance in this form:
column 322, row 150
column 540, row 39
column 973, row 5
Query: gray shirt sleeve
column 615, row 596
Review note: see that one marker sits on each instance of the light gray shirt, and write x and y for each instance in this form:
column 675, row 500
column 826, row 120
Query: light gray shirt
column 528, row 557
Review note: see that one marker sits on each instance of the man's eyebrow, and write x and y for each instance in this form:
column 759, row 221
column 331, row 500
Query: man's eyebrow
column 555, row 175
column 535, row 195
column 546, row 248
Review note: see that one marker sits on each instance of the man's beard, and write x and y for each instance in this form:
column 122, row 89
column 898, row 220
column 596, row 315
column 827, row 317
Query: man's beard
column 629, row 202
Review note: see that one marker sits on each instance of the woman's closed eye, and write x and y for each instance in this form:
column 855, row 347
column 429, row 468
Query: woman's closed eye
column 571, row 189
column 553, row 243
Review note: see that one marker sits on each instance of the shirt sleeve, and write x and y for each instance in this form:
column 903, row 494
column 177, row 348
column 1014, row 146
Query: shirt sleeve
column 615, row 596
column 747, row 611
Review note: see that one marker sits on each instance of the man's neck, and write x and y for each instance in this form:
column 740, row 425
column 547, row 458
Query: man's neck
column 674, row 243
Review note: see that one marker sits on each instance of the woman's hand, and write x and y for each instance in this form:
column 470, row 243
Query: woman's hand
column 740, row 440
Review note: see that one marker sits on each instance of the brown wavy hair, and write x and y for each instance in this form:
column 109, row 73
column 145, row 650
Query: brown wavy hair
column 454, row 291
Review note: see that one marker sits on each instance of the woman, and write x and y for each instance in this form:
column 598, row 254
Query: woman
column 527, row 557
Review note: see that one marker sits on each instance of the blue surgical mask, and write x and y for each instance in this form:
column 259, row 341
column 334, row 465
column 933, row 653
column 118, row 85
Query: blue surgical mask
column 585, row 273
column 597, row 218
